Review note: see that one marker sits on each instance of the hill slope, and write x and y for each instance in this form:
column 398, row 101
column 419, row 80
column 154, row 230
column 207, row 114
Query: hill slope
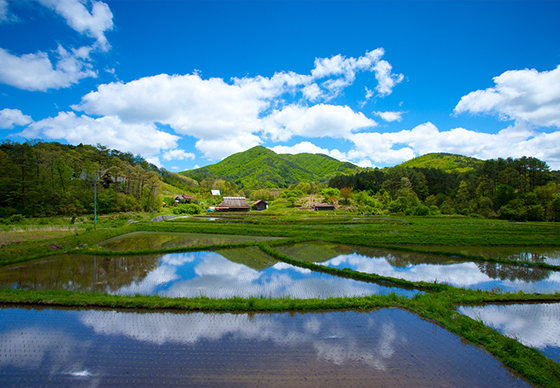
column 443, row 161
column 260, row 167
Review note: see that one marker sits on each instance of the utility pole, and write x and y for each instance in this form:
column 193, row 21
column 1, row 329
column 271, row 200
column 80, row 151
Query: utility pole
column 153, row 199
column 95, row 202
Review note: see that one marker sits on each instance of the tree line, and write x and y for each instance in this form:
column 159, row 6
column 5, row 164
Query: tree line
column 39, row 179
column 522, row 189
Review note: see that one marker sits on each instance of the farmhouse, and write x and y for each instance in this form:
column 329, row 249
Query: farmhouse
column 260, row 205
column 233, row 204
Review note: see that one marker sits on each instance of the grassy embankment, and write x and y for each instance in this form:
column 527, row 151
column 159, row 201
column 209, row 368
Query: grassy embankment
column 423, row 234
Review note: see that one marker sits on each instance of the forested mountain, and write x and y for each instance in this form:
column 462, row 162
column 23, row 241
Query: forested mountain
column 260, row 167
column 516, row 189
column 443, row 161
column 43, row 179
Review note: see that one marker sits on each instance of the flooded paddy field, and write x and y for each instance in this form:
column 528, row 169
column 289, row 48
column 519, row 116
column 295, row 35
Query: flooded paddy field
column 160, row 240
column 104, row 348
column 225, row 273
column 547, row 255
column 535, row 325
column 415, row 266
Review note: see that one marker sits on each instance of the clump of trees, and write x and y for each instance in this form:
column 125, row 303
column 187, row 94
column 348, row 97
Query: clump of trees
column 522, row 189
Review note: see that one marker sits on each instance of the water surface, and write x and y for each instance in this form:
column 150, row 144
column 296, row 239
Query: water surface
column 415, row 266
column 225, row 273
column 160, row 240
column 535, row 325
column 547, row 255
column 106, row 348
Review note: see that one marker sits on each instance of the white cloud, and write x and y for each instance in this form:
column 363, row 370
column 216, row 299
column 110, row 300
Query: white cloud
column 346, row 69
column 177, row 154
column 386, row 80
column 35, row 71
column 93, row 24
column 526, row 96
column 217, row 149
column 390, row 116
column 206, row 109
column 307, row 147
column 317, row 121
column 138, row 138
column 13, row 117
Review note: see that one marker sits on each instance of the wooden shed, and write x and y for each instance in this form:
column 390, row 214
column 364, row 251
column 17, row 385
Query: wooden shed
column 260, row 205
column 233, row 204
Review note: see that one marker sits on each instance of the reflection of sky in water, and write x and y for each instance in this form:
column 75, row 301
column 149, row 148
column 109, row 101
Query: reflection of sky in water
column 212, row 275
column 535, row 325
column 105, row 348
column 468, row 275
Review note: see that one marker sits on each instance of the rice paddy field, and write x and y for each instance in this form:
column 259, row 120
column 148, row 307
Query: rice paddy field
column 281, row 302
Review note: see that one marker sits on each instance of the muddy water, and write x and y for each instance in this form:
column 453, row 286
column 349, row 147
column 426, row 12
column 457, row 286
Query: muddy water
column 429, row 268
column 535, row 325
column 160, row 240
column 388, row 347
column 222, row 274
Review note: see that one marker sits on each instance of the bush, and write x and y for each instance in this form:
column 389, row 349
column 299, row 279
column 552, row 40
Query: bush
column 190, row 209
column 16, row 219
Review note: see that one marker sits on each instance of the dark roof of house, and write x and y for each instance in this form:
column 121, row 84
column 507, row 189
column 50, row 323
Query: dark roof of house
column 259, row 201
column 236, row 202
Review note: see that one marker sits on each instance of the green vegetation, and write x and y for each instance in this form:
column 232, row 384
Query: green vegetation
column 513, row 189
column 259, row 168
column 443, row 161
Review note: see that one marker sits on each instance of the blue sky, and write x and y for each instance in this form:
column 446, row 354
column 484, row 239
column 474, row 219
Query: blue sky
column 188, row 83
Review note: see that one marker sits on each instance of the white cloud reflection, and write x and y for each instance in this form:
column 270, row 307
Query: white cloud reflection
column 535, row 325
column 469, row 274
column 212, row 275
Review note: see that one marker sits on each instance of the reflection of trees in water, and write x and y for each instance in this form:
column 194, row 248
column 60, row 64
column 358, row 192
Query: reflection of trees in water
column 513, row 272
column 79, row 273
column 532, row 257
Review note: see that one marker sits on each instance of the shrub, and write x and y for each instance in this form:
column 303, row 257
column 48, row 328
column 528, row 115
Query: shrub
column 190, row 209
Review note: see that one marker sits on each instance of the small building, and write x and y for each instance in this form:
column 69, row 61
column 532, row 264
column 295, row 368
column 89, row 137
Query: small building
column 259, row 205
column 324, row 206
column 233, row 204
column 184, row 199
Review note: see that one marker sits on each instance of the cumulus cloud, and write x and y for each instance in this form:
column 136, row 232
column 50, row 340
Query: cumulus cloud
column 310, row 148
column 38, row 72
column 526, row 96
column 92, row 24
column 177, row 154
column 13, row 117
column 35, row 72
column 138, row 138
column 317, row 121
column 390, row 116
column 346, row 68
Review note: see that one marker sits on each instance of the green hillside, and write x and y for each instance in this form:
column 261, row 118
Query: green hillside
column 443, row 161
column 260, row 167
